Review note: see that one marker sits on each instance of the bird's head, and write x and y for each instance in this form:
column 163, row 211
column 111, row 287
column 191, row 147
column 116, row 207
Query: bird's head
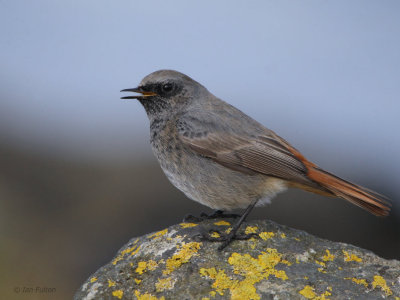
column 165, row 92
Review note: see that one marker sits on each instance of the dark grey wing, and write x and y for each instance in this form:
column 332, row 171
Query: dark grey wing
column 261, row 153
column 254, row 149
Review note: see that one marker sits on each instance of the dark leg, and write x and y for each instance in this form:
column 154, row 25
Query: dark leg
column 228, row 238
column 235, row 227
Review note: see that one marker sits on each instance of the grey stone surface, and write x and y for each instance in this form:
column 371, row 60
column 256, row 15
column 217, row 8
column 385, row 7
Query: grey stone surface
column 279, row 263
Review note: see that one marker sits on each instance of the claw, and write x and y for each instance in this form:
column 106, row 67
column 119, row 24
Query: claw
column 226, row 239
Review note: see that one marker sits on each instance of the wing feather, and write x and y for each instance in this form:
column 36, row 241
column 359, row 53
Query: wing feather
column 267, row 153
column 258, row 154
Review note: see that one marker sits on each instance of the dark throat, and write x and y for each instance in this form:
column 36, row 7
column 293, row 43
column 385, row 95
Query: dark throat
column 155, row 107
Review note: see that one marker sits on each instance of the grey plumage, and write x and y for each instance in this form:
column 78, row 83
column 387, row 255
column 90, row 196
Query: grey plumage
column 177, row 134
column 222, row 158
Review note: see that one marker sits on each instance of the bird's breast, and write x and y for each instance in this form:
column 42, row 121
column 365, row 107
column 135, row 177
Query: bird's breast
column 201, row 178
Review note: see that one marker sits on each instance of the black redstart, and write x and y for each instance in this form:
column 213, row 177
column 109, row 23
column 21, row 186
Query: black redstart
column 222, row 158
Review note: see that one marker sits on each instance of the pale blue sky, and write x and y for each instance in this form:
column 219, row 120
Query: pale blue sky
column 325, row 75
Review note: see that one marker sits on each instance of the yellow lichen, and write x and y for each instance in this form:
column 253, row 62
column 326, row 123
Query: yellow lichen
column 215, row 234
column 253, row 242
column 158, row 234
column 251, row 229
column 165, row 284
column 128, row 250
column 138, row 281
column 351, row 257
column 308, row 292
column 284, row 261
column 266, row 235
column 327, row 293
column 265, row 264
column 379, row 281
column 213, row 293
column 283, row 235
column 297, row 239
column 358, row 280
column 143, row 266
column 117, row 259
column 205, row 298
column 183, row 255
column 111, row 283
column 93, row 279
column 151, row 265
column 133, row 250
column 253, row 271
column 322, row 264
column 222, row 223
column 118, row 294
column 222, row 281
column 188, row 225
column 328, row 256
column 147, row 296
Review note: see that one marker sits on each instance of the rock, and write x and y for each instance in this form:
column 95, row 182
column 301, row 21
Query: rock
column 279, row 263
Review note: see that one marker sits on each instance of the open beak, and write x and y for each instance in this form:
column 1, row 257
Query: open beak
column 143, row 94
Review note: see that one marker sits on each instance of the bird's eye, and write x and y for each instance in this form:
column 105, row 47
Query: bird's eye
column 167, row 87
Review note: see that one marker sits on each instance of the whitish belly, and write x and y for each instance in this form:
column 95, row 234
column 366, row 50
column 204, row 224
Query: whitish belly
column 218, row 187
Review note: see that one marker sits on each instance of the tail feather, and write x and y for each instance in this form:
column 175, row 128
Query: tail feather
column 369, row 200
column 329, row 184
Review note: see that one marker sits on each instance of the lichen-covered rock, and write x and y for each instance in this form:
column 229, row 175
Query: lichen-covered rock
column 279, row 263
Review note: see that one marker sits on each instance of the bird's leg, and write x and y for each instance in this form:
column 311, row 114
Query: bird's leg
column 232, row 235
column 215, row 215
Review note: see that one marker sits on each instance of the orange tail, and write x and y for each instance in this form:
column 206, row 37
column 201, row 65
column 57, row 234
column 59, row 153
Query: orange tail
column 358, row 195
column 335, row 186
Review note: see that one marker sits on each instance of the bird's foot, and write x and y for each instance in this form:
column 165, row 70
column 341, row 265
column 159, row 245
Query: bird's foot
column 215, row 215
column 226, row 238
column 231, row 235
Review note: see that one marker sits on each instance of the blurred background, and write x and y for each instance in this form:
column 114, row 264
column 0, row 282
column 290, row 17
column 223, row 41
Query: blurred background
column 77, row 176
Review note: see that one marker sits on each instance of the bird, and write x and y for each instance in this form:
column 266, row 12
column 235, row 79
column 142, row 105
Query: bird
column 222, row 158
